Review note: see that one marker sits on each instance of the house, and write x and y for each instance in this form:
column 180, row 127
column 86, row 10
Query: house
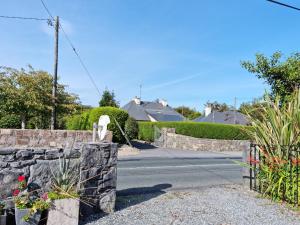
column 152, row 111
column 226, row 117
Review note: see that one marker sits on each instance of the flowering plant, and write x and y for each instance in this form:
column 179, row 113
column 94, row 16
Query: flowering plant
column 2, row 206
column 30, row 197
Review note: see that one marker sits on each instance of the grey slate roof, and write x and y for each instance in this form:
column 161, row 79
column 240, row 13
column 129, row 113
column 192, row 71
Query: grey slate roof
column 227, row 117
column 154, row 109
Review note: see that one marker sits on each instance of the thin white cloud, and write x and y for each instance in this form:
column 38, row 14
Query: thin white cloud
column 173, row 82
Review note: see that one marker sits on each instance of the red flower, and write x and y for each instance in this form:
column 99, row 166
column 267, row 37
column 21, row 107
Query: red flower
column 252, row 160
column 21, row 178
column 16, row 192
column 44, row 196
column 295, row 161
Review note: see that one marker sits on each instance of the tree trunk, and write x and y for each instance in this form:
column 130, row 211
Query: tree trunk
column 23, row 122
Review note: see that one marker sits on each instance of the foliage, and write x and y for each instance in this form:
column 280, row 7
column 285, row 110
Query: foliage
column 29, row 197
column 108, row 99
column 131, row 128
column 64, row 179
column 28, row 95
column 78, row 121
column 276, row 134
column 219, row 107
column 282, row 76
column 195, row 129
column 114, row 114
column 280, row 124
column 254, row 109
column 187, row 112
column 2, row 206
column 10, row 121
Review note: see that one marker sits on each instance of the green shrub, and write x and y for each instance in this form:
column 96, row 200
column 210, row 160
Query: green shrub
column 78, row 122
column 131, row 128
column 10, row 121
column 114, row 114
column 195, row 129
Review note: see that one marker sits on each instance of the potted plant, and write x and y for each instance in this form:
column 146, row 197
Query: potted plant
column 29, row 203
column 3, row 215
column 65, row 207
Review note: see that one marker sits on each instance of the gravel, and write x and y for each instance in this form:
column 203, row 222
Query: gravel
column 223, row 205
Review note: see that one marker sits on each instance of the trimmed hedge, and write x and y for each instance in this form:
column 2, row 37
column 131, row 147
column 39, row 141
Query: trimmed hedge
column 78, row 122
column 10, row 121
column 85, row 121
column 196, row 129
column 114, row 113
column 131, row 128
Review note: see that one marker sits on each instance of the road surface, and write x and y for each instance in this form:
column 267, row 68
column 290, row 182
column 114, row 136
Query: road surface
column 165, row 170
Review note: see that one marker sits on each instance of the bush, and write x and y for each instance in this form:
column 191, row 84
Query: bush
column 131, row 128
column 114, row 114
column 10, row 121
column 195, row 129
column 78, row 122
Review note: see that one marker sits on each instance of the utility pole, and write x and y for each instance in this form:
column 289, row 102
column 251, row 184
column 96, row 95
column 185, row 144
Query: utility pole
column 54, row 87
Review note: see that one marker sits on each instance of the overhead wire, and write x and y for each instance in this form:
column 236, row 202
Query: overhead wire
column 74, row 50
column 23, row 18
column 283, row 4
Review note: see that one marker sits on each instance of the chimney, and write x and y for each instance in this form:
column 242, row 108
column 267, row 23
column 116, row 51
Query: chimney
column 207, row 110
column 163, row 102
column 137, row 100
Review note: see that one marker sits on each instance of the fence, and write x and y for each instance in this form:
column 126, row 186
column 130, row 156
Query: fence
column 274, row 171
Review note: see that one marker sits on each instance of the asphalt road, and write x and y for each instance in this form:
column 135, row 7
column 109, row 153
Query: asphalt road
column 141, row 174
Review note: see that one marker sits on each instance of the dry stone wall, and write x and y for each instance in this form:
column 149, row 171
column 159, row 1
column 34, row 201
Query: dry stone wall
column 96, row 163
column 169, row 139
column 46, row 138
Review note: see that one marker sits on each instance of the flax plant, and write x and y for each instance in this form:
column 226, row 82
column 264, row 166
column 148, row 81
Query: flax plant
column 276, row 134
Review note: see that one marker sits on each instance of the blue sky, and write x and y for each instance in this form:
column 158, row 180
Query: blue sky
column 187, row 52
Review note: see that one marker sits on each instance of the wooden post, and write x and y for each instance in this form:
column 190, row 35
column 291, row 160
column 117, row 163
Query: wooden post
column 54, row 87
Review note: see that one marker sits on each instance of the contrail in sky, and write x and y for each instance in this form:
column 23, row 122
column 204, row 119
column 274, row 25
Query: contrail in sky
column 173, row 82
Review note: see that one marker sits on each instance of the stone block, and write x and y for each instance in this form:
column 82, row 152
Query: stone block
column 7, row 158
column 54, row 154
column 7, row 151
column 8, row 181
column 3, row 164
column 22, row 141
column 24, row 154
column 6, row 131
column 20, row 164
column 64, row 211
column 107, row 202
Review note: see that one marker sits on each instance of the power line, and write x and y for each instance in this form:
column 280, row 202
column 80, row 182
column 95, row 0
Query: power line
column 283, row 4
column 46, row 8
column 24, row 18
column 74, row 50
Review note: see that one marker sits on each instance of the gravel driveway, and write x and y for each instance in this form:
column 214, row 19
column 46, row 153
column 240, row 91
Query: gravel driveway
column 214, row 205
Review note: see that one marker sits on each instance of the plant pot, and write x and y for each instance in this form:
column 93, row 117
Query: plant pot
column 64, row 211
column 33, row 220
column 3, row 219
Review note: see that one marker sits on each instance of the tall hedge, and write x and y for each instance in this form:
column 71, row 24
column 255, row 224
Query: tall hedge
column 195, row 129
column 85, row 121
column 78, row 122
column 114, row 113
column 10, row 121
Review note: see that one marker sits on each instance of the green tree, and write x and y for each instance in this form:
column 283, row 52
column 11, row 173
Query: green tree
column 108, row 99
column 219, row 107
column 188, row 113
column 131, row 128
column 253, row 109
column 28, row 95
column 282, row 75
